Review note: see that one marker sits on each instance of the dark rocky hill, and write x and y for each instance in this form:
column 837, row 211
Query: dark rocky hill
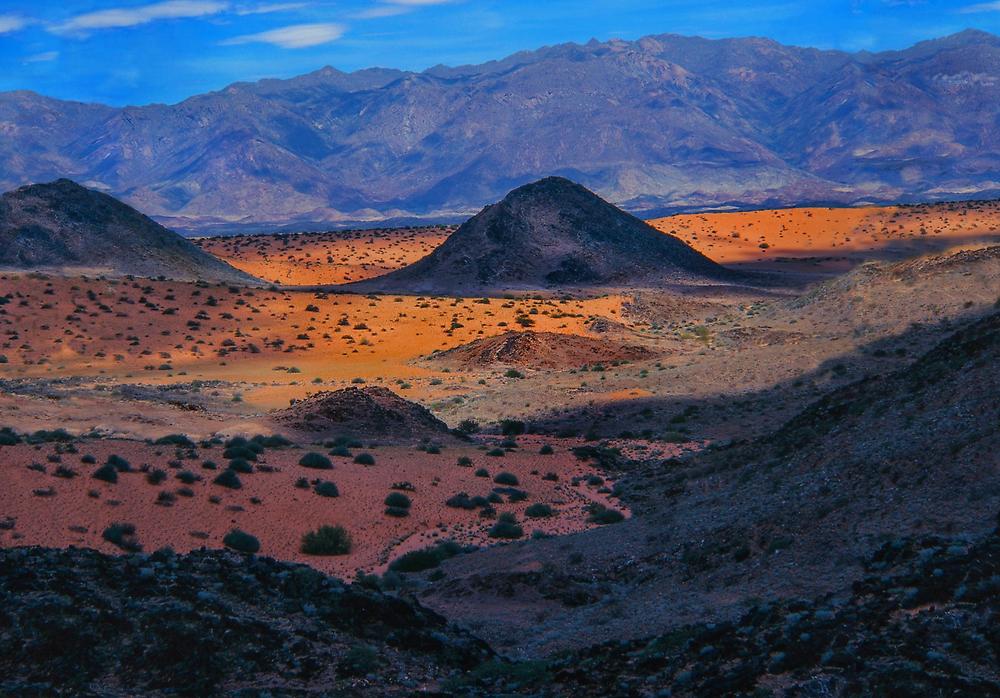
column 552, row 233
column 369, row 412
column 64, row 225
column 662, row 123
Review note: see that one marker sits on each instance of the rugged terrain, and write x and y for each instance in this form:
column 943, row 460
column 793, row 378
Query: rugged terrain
column 61, row 225
column 694, row 488
column 734, row 122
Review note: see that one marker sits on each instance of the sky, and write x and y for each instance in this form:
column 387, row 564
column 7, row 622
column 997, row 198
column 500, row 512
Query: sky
column 139, row 52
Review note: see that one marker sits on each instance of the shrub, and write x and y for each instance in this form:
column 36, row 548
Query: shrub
column 465, row 461
column 326, row 489
column 505, row 478
column 506, row 527
column 551, row 477
column 468, row 426
column 600, row 514
column 538, row 511
column 460, row 501
column 241, row 542
column 240, row 465
column 244, row 452
column 272, row 441
column 88, row 459
column 512, row 427
column 513, row 494
column 166, row 499
column 426, row 558
column 496, row 452
column 513, row 373
column 327, row 540
column 398, row 499
column 123, row 536
column 482, row 472
column 317, row 461
column 64, row 472
column 187, row 477
column 119, row 464
column 175, row 440
column 341, row 451
column 155, row 477
column 229, row 479
column 398, row 512
column 546, row 450
column 107, row 473
column 360, row 660
column 8, row 437
column 364, row 459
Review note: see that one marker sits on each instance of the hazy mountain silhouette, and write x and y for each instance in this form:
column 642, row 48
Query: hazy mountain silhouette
column 662, row 123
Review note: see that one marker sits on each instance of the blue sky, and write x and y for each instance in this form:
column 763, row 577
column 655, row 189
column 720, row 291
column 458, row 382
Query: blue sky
column 142, row 51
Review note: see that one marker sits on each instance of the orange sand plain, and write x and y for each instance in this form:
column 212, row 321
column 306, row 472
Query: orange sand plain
column 326, row 258
column 285, row 344
column 756, row 236
column 272, row 508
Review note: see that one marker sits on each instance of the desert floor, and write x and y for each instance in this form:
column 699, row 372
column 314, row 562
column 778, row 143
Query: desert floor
column 130, row 360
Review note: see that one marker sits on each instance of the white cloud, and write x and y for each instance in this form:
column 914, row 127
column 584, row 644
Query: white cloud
column 391, row 8
column 11, row 23
column 295, row 36
column 982, row 7
column 42, row 57
column 143, row 14
column 273, row 7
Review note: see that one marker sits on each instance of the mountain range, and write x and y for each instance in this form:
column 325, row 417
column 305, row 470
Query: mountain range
column 660, row 124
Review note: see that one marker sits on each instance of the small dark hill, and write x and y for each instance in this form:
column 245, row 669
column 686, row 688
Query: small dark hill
column 550, row 234
column 370, row 412
column 64, row 225
column 538, row 350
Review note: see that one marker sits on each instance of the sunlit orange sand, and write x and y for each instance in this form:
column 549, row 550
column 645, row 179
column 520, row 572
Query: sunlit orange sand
column 760, row 236
column 284, row 343
column 326, row 258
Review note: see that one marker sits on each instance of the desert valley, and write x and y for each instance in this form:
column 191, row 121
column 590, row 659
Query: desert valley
column 565, row 445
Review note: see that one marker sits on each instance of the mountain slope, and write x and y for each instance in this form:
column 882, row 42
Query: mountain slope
column 662, row 123
column 62, row 224
column 551, row 233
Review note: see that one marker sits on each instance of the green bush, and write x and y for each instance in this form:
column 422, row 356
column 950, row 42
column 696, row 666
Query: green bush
column 505, row 478
column 175, row 440
column 123, row 536
column 465, row 461
column 240, row 465
column 327, row 540
column 119, row 464
column 106, row 473
column 538, row 511
column 364, row 459
column 242, row 542
column 229, row 479
column 460, row 501
column 426, row 558
column 326, row 489
column 317, row 461
column 512, row 427
column 496, row 452
column 546, row 450
column 398, row 499
column 600, row 514
column 398, row 512
column 506, row 527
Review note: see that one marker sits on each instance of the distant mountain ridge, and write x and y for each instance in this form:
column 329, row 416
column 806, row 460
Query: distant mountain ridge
column 62, row 225
column 659, row 124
